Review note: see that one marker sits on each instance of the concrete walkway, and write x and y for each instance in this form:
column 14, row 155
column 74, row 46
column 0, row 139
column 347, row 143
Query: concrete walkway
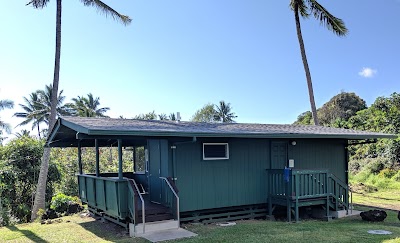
column 170, row 234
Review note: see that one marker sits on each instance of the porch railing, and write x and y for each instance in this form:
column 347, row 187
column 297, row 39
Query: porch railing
column 133, row 194
column 168, row 200
column 308, row 184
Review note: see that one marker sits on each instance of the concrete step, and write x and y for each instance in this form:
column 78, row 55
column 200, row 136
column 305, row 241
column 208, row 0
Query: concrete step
column 137, row 230
column 171, row 234
column 343, row 213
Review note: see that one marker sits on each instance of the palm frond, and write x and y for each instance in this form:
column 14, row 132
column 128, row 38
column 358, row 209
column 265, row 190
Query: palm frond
column 6, row 104
column 301, row 7
column 38, row 3
column 331, row 22
column 107, row 10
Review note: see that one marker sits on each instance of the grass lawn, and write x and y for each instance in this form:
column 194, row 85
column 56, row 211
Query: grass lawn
column 383, row 198
column 87, row 229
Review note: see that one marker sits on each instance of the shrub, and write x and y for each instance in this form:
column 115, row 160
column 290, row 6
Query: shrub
column 61, row 202
column 396, row 177
column 387, row 173
column 377, row 164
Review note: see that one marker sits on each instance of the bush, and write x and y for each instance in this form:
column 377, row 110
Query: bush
column 396, row 177
column 61, row 202
column 387, row 173
column 377, row 164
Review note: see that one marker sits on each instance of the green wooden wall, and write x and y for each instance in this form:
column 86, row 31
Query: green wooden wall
column 320, row 154
column 241, row 180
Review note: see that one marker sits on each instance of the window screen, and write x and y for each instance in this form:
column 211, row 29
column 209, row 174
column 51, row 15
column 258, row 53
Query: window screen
column 214, row 151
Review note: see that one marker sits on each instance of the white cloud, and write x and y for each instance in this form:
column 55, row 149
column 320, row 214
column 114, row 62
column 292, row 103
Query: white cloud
column 367, row 72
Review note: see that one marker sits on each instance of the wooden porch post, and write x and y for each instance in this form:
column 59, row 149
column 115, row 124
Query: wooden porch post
column 80, row 158
column 120, row 174
column 134, row 159
column 96, row 144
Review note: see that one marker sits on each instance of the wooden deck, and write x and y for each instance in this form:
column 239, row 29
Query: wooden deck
column 299, row 188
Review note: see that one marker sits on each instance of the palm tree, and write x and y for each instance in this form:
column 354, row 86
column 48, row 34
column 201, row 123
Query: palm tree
column 5, row 104
column 46, row 96
column 37, row 108
column 223, row 113
column 87, row 107
column 305, row 8
column 31, row 112
column 23, row 133
column 39, row 202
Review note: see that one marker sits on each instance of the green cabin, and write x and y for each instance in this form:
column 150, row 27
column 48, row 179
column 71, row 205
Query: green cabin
column 186, row 171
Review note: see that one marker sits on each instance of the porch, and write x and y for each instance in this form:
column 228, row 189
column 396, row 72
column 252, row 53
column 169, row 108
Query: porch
column 126, row 202
column 294, row 188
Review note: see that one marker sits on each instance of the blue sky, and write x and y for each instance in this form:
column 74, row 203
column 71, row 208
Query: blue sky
column 179, row 55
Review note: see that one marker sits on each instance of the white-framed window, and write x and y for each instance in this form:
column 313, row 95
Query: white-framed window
column 215, row 151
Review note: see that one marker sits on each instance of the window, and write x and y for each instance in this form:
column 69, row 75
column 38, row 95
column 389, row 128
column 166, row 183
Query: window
column 215, row 151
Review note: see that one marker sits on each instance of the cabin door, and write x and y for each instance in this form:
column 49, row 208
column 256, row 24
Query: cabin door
column 158, row 160
column 278, row 154
column 154, row 171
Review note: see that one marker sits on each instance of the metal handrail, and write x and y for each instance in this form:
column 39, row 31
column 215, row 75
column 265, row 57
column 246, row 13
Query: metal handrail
column 177, row 198
column 351, row 201
column 141, row 199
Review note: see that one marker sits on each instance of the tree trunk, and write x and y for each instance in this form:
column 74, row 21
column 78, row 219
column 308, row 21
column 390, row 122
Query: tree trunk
column 38, row 130
column 305, row 64
column 44, row 167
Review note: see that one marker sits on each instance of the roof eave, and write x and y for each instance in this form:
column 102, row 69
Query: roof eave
column 237, row 135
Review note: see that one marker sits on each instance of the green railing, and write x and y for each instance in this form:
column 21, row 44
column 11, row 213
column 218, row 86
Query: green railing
column 133, row 205
column 308, row 184
column 105, row 194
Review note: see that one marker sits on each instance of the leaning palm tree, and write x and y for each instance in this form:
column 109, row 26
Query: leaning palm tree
column 5, row 104
column 305, row 8
column 223, row 113
column 87, row 107
column 39, row 202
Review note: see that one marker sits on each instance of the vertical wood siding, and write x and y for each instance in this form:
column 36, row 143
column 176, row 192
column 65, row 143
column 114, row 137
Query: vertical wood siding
column 239, row 180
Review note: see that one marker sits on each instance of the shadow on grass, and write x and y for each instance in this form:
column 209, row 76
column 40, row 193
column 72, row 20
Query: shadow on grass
column 28, row 234
column 107, row 231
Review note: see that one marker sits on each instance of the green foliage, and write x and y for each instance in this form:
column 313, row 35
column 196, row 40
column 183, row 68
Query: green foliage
column 36, row 109
column 19, row 169
column 396, row 177
column 87, row 107
column 148, row 116
column 66, row 162
column 222, row 112
column 205, row 114
column 305, row 118
column 340, row 108
column 5, row 104
column 336, row 112
column 387, row 173
column 60, row 202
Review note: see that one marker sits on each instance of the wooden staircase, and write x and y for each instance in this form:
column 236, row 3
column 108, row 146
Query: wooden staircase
column 153, row 211
column 299, row 188
column 147, row 217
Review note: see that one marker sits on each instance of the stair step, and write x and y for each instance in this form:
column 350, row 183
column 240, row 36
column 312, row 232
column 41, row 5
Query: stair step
column 137, row 230
column 158, row 217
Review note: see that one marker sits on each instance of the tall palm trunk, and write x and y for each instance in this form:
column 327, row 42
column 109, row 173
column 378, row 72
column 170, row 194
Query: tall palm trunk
column 38, row 129
column 44, row 167
column 305, row 64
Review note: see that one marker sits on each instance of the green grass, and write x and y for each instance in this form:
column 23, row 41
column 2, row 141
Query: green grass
column 351, row 229
column 376, row 190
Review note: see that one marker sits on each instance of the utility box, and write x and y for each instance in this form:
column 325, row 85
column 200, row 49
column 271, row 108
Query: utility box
column 291, row 163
